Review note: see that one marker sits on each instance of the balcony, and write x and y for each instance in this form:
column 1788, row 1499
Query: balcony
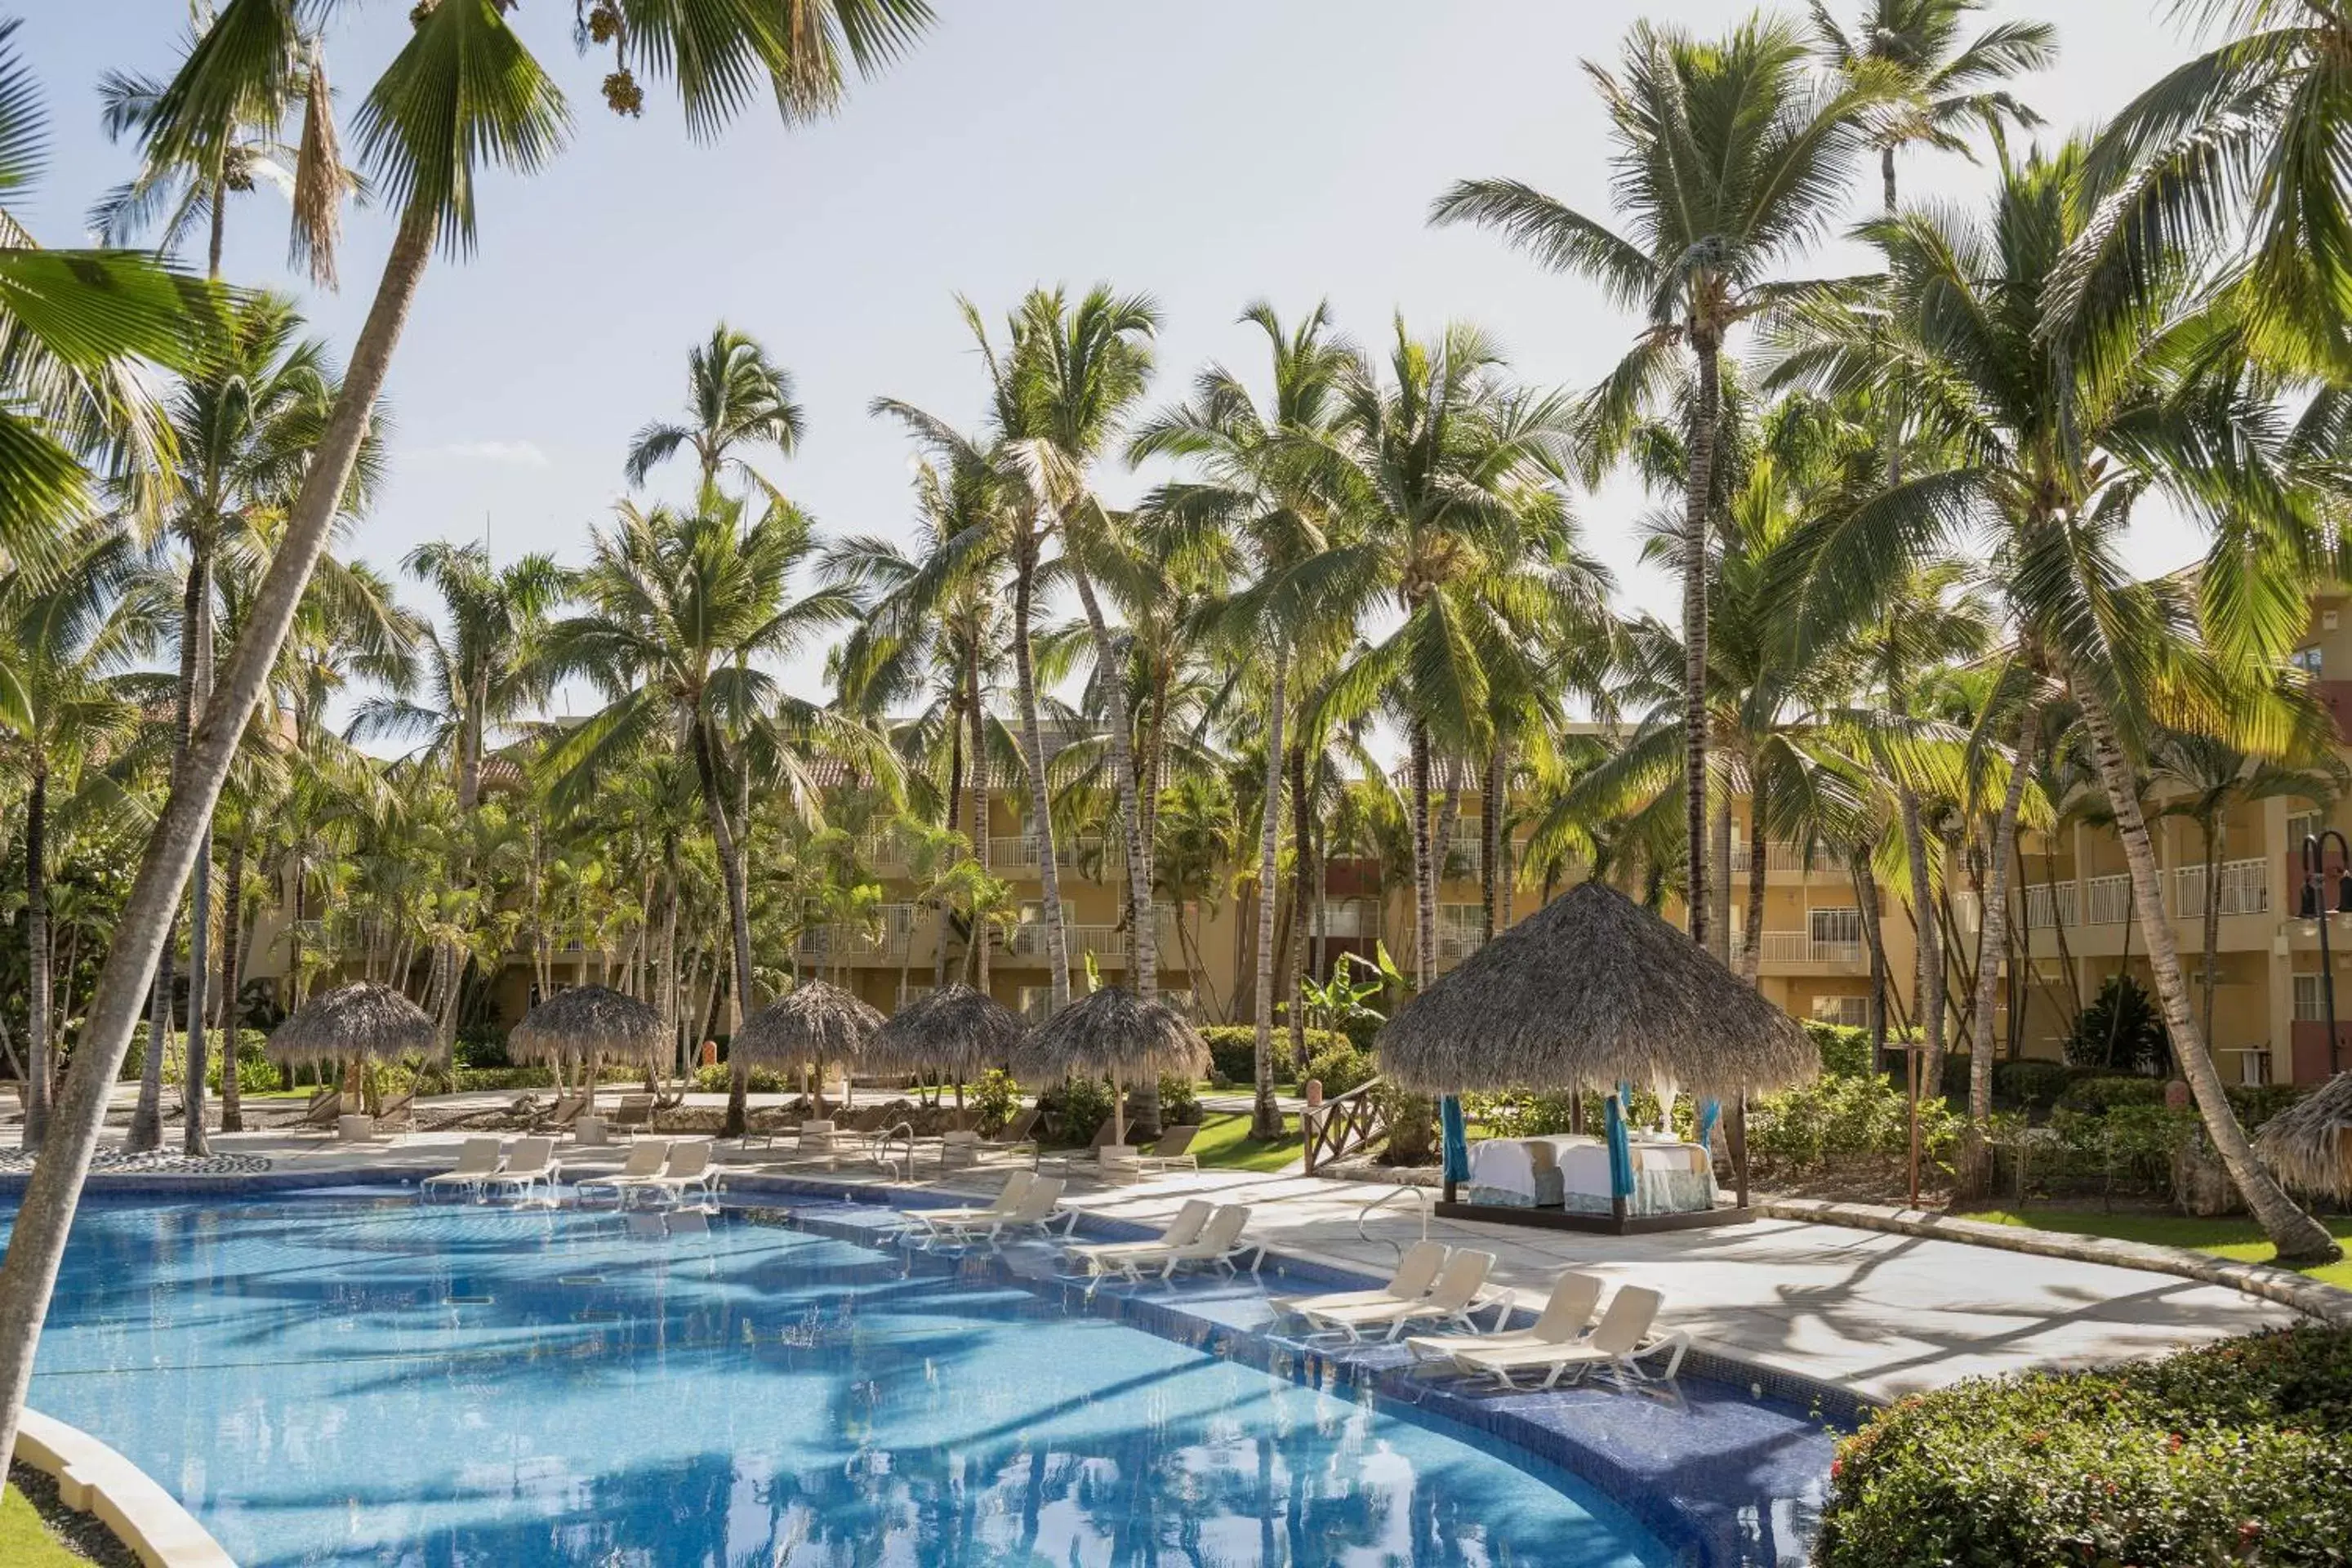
column 1028, row 940
column 1783, row 857
column 1802, row 950
column 1017, row 853
column 2244, row 890
column 2109, row 899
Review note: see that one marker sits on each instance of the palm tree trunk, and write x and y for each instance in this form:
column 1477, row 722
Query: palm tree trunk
column 1424, row 870
column 1718, row 919
column 147, row 1119
column 1697, row 498
column 192, row 1140
column 232, row 952
column 738, row 914
column 1033, row 754
column 1265, row 1121
column 2212, row 933
column 1143, row 952
column 2300, row 1239
column 1490, row 849
column 1302, row 868
column 980, row 936
column 29, row 1272
column 1992, row 941
column 1928, row 981
column 1759, row 849
column 37, row 960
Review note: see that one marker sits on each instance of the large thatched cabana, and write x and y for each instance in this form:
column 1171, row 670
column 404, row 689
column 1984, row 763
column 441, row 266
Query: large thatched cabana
column 814, row 1025
column 363, row 1020
column 1113, row 1033
column 1591, row 991
column 587, row 1025
column 2309, row 1145
column 954, row 1031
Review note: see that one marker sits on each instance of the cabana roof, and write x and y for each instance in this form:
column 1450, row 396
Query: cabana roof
column 359, row 1020
column 1591, row 990
column 587, row 1021
column 953, row 1030
column 814, row 1025
column 2309, row 1144
column 1112, row 1034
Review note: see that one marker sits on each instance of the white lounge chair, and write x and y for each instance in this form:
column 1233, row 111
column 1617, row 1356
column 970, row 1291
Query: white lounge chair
column 1416, row 1270
column 1124, row 1258
column 1039, row 1210
column 1221, row 1243
column 1460, row 1291
column 645, row 1158
column 1567, row 1314
column 478, row 1160
column 1174, row 1151
column 530, row 1162
column 688, row 1166
column 1008, row 1198
column 1620, row 1344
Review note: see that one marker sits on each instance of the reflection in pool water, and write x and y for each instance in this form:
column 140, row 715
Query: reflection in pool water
column 360, row 1379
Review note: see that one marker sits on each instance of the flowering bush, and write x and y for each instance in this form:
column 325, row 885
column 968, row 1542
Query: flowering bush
column 2239, row 1452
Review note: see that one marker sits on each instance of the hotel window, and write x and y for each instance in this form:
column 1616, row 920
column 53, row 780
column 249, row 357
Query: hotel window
column 2300, row 825
column 2307, row 660
column 1850, row 1012
column 2310, row 1006
column 1838, row 926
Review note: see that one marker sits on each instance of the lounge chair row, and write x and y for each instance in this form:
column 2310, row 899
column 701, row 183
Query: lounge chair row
column 486, row 1165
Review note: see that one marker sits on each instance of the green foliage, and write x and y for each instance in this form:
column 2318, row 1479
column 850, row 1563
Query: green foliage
column 715, row 1079
column 1412, row 1125
column 2120, row 1030
column 480, row 1046
column 1073, row 1110
column 465, row 1078
column 1233, row 1049
column 2034, row 1086
column 1341, row 1067
column 1845, row 1121
column 1845, row 1051
column 2236, row 1452
column 995, row 1100
column 1178, row 1105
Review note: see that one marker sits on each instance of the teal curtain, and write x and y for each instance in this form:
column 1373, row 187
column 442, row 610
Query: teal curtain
column 1456, row 1139
column 1621, row 1151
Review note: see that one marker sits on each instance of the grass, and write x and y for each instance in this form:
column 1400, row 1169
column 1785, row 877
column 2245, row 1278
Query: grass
column 26, row 1542
column 1224, row 1144
column 2232, row 1237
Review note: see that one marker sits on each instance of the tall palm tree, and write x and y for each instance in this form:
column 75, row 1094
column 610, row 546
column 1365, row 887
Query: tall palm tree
column 676, row 605
column 2062, row 423
column 1730, row 158
column 736, row 396
column 461, row 93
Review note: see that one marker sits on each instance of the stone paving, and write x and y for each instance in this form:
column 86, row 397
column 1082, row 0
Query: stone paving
column 1880, row 1315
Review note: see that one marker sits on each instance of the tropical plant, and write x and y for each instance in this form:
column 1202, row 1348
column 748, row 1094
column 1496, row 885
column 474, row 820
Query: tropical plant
column 735, row 398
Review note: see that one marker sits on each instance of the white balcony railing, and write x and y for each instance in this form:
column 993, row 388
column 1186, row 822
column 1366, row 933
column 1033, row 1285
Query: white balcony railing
column 2245, row 888
column 1781, row 856
column 2110, row 900
column 1027, row 940
column 2040, row 904
column 1803, row 947
column 1017, row 853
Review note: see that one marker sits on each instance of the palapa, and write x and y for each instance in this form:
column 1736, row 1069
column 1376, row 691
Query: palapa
column 1113, row 1033
column 586, row 1025
column 359, row 1020
column 2309, row 1144
column 1593, row 990
column 954, row 1031
column 815, row 1024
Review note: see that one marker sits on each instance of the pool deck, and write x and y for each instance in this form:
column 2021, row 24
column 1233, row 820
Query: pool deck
column 1876, row 1314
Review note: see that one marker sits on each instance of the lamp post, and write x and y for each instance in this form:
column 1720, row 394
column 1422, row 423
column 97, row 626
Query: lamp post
column 2315, row 912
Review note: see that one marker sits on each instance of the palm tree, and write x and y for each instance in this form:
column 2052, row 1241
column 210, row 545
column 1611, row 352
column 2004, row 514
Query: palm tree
column 676, row 607
column 2059, row 430
column 66, row 639
column 1729, row 159
column 461, row 92
column 735, row 398
column 1256, row 467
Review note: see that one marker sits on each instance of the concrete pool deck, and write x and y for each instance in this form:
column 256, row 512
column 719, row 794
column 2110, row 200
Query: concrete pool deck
column 1879, row 1315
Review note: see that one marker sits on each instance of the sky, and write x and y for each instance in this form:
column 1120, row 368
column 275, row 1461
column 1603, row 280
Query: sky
column 1210, row 154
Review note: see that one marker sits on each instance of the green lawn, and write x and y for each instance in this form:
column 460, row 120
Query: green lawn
column 1225, row 1143
column 2228, row 1237
column 26, row 1542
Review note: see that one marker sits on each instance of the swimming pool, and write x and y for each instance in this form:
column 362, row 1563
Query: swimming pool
column 359, row 1379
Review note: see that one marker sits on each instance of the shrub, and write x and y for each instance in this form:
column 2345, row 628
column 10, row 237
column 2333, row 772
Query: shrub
column 717, row 1079
column 1073, row 1110
column 1341, row 1067
column 1233, row 1049
column 1841, row 1121
column 1412, row 1125
column 995, row 1100
column 2120, row 1030
column 2031, row 1085
column 2099, row 1092
column 502, row 1079
column 1178, row 1105
column 480, row 1045
column 1845, row 1051
column 2236, row 1452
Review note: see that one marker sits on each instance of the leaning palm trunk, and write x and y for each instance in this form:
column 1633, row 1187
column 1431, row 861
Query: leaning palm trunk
column 1992, row 941
column 1697, row 496
column 1265, row 1121
column 147, row 1116
column 2298, row 1238
column 232, row 952
column 1929, row 979
column 36, row 961
column 29, row 1272
column 739, row 917
column 2212, row 933
column 1041, row 805
column 200, row 890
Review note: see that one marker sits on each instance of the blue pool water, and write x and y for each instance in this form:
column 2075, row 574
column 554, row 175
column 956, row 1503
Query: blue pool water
column 362, row 1380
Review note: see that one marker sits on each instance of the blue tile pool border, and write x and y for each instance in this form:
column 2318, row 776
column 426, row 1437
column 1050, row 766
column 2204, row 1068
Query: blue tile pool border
column 1701, row 1527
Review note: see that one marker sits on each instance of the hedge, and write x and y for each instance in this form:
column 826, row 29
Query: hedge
column 2239, row 1452
column 1233, row 1049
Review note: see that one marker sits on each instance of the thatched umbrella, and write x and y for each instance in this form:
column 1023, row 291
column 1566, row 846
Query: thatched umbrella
column 815, row 1024
column 1113, row 1033
column 587, row 1024
column 1594, row 989
column 954, row 1031
column 362, row 1020
column 2309, row 1144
